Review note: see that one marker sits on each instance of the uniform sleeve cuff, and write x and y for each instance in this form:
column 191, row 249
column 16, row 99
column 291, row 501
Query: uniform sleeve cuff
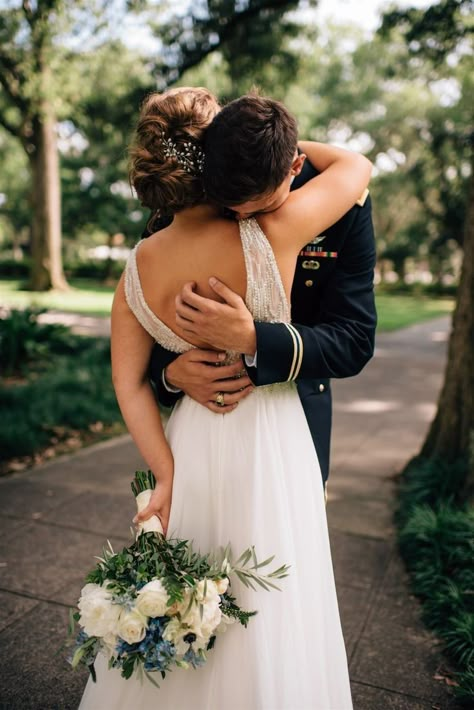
column 167, row 386
column 280, row 353
column 251, row 361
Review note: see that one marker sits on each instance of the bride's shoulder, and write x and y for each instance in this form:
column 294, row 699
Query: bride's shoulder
column 147, row 249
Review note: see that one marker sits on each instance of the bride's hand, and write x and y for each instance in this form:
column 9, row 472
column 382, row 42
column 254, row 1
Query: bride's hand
column 159, row 505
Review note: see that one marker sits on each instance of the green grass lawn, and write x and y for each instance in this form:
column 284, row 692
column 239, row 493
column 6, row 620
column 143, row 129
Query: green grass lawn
column 85, row 296
column 399, row 311
column 395, row 311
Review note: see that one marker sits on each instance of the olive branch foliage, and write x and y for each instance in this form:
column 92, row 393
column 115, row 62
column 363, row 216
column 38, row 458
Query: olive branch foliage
column 181, row 570
column 179, row 566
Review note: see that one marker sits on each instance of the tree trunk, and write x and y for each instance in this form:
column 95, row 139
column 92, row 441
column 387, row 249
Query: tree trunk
column 451, row 433
column 47, row 268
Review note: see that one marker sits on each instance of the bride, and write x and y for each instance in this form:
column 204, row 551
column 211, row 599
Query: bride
column 250, row 476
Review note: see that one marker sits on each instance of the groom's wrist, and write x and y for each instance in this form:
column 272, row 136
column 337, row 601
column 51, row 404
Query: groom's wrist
column 249, row 342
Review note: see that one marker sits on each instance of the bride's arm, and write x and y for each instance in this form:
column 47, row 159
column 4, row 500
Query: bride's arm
column 131, row 347
column 323, row 200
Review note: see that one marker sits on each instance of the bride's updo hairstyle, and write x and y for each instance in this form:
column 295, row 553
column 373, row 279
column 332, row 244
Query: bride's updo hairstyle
column 166, row 155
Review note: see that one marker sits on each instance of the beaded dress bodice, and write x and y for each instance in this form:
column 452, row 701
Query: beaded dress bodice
column 265, row 296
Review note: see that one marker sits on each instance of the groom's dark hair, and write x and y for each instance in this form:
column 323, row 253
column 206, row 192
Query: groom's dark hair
column 249, row 149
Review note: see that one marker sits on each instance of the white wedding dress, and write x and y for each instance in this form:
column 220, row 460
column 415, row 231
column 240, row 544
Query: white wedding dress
column 250, row 477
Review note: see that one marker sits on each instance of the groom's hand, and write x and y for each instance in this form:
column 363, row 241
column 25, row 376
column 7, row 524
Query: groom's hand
column 200, row 374
column 226, row 326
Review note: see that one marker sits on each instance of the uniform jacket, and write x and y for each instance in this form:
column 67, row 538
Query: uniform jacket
column 333, row 322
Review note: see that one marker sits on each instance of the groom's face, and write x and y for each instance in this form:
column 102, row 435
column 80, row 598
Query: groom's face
column 271, row 201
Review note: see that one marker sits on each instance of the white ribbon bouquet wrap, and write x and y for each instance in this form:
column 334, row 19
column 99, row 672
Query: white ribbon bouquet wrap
column 153, row 524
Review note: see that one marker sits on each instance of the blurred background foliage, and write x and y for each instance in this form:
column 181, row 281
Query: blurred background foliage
column 407, row 108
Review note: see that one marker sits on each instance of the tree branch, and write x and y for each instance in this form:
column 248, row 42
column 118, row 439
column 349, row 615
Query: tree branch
column 10, row 127
column 11, row 82
column 28, row 11
column 224, row 28
column 8, row 63
column 17, row 100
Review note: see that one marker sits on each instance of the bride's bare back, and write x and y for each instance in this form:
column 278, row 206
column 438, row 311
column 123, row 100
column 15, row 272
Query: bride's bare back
column 199, row 244
column 189, row 250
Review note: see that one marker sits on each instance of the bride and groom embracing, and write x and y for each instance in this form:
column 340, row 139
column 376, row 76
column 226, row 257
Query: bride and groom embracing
column 203, row 291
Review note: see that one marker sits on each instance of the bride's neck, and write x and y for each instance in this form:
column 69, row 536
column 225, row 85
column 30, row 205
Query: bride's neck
column 196, row 214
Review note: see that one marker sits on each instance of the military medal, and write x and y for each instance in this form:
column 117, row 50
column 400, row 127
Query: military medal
column 319, row 253
column 312, row 249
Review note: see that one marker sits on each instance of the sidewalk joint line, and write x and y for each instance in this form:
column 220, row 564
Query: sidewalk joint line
column 39, row 600
column 374, row 594
column 422, row 698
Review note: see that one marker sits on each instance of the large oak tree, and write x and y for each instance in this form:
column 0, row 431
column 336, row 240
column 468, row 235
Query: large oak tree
column 35, row 49
column 442, row 31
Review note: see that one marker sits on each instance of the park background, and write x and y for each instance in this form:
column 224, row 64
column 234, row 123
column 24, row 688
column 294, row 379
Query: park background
column 393, row 81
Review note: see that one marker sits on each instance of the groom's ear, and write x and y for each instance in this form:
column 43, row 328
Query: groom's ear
column 297, row 165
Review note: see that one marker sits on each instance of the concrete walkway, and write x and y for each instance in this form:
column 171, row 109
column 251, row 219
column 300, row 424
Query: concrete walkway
column 55, row 518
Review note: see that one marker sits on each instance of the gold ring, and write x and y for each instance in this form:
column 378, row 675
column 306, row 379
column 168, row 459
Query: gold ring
column 220, row 399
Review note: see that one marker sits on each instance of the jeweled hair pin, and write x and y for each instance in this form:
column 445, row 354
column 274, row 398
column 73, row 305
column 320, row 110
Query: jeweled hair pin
column 190, row 157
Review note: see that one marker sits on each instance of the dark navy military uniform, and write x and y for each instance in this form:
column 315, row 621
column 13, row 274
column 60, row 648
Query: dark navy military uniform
column 333, row 321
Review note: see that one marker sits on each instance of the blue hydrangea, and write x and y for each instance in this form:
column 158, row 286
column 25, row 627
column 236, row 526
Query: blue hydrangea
column 157, row 654
column 81, row 637
column 193, row 658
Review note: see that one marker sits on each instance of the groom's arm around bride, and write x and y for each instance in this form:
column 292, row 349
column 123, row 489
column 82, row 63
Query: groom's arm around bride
column 333, row 311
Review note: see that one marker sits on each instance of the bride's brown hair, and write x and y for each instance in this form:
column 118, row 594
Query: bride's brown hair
column 171, row 126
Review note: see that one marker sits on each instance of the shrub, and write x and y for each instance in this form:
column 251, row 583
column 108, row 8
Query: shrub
column 13, row 269
column 427, row 481
column 25, row 342
column 75, row 392
column 95, row 270
column 436, row 538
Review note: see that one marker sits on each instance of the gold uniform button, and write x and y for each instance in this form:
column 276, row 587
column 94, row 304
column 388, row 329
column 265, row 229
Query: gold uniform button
column 308, row 283
column 321, row 388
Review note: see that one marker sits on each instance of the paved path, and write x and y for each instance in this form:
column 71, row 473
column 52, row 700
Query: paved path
column 79, row 323
column 55, row 518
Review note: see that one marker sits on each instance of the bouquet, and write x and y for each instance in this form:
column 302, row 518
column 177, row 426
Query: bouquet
column 158, row 603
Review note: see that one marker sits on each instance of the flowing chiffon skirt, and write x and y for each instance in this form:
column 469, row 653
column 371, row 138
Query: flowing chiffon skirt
column 251, row 477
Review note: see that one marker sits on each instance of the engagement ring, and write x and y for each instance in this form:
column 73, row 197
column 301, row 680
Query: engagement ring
column 220, row 399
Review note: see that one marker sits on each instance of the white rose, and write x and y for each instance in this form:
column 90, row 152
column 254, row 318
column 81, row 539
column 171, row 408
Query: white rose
column 152, row 599
column 211, row 618
column 183, row 605
column 225, row 622
column 202, row 622
column 98, row 615
column 132, row 626
column 211, row 591
column 205, row 621
column 222, row 585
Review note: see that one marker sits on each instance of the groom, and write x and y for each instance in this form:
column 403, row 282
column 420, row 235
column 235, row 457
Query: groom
column 333, row 310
